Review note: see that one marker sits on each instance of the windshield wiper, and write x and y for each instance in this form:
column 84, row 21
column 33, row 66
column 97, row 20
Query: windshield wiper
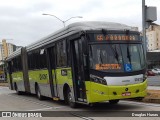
column 128, row 54
column 115, row 53
column 100, row 56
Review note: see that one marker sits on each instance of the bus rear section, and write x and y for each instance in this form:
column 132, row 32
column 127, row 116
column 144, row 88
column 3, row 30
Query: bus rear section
column 17, row 74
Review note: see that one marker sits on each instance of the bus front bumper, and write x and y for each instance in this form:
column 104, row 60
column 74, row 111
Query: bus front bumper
column 100, row 93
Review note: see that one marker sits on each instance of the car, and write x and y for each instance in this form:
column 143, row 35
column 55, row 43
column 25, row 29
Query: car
column 150, row 73
column 156, row 70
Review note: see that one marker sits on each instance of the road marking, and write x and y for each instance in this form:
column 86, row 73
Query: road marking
column 41, row 109
column 47, row 106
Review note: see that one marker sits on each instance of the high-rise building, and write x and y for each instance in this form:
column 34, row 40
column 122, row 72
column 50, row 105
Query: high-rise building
column 6, row 49
column 1, row 56
column 153, row 37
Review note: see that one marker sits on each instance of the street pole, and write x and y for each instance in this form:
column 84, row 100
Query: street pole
column 63, row 21
column 149, row 15
column 144, row 25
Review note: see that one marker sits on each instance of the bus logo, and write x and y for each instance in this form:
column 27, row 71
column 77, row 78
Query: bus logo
column 43, row 76
column 6, row 114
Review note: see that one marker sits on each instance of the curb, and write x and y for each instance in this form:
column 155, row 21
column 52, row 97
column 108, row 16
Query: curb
column 146, row 100
column 151, row 100
column 153, row 96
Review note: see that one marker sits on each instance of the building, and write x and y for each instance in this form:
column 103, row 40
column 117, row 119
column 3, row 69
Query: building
column 153, row 46
column 153, row 59
column 1, row 56
column 6, row 49
column 153, row 37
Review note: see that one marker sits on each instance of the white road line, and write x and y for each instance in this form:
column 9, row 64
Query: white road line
column 31, row 101
column 41, row 109
column 46, row 108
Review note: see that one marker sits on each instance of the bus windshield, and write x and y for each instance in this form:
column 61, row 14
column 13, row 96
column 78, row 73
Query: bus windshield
column 116, row 57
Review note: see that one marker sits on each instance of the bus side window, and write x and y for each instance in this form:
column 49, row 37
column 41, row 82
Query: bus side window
column 43, row 60
column 30, row 61
column 61, row 54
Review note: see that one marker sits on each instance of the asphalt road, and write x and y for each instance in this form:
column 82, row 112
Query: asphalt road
column 10, row 101
column 154, row 80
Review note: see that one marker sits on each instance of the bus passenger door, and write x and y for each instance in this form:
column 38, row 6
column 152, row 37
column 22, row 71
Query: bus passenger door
column 51, row 68
column 78, row 70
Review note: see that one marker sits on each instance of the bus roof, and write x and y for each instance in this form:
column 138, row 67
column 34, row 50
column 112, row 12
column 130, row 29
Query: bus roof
column 71, row 29
column 77, row 27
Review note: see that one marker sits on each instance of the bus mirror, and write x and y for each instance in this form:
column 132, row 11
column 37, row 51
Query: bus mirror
column 41, row 51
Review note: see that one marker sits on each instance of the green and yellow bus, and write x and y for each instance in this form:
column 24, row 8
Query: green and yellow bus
column 85, row 62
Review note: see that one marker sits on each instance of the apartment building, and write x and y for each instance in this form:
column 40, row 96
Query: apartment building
column 153, row 37
column 6, row 49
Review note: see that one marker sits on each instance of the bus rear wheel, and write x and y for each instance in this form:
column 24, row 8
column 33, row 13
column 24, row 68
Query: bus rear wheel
column 70, row 101
column 113, row 101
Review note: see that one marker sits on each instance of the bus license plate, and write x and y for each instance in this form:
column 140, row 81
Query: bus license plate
column 126, row 94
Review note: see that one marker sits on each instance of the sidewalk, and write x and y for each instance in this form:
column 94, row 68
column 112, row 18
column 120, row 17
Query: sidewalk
column 153, row 88
column 153, row 95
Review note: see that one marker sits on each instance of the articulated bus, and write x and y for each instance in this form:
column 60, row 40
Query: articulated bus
column 85, row 62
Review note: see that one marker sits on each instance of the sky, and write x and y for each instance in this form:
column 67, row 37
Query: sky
column 22, row 22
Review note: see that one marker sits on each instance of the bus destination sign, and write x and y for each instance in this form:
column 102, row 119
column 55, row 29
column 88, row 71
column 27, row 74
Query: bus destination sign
column 101, row 37
column 107, row 66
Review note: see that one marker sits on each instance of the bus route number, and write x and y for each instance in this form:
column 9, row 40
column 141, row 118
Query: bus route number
column 115, row 37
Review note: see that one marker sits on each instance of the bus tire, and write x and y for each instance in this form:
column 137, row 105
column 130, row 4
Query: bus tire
column 70, row 101
column 93, row 104
column 38, row 93
column 113, row 101
column 140, row 98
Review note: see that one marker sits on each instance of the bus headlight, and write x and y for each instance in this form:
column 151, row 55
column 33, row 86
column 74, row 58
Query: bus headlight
column 98, row 79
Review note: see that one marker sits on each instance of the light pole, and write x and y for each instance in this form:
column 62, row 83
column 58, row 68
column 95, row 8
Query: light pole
column 149, row 15
column 63, row 21
column 144, row 24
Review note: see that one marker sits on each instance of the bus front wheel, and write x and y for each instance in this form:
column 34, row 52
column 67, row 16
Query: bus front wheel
column 113, row 101
column 70, row 99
